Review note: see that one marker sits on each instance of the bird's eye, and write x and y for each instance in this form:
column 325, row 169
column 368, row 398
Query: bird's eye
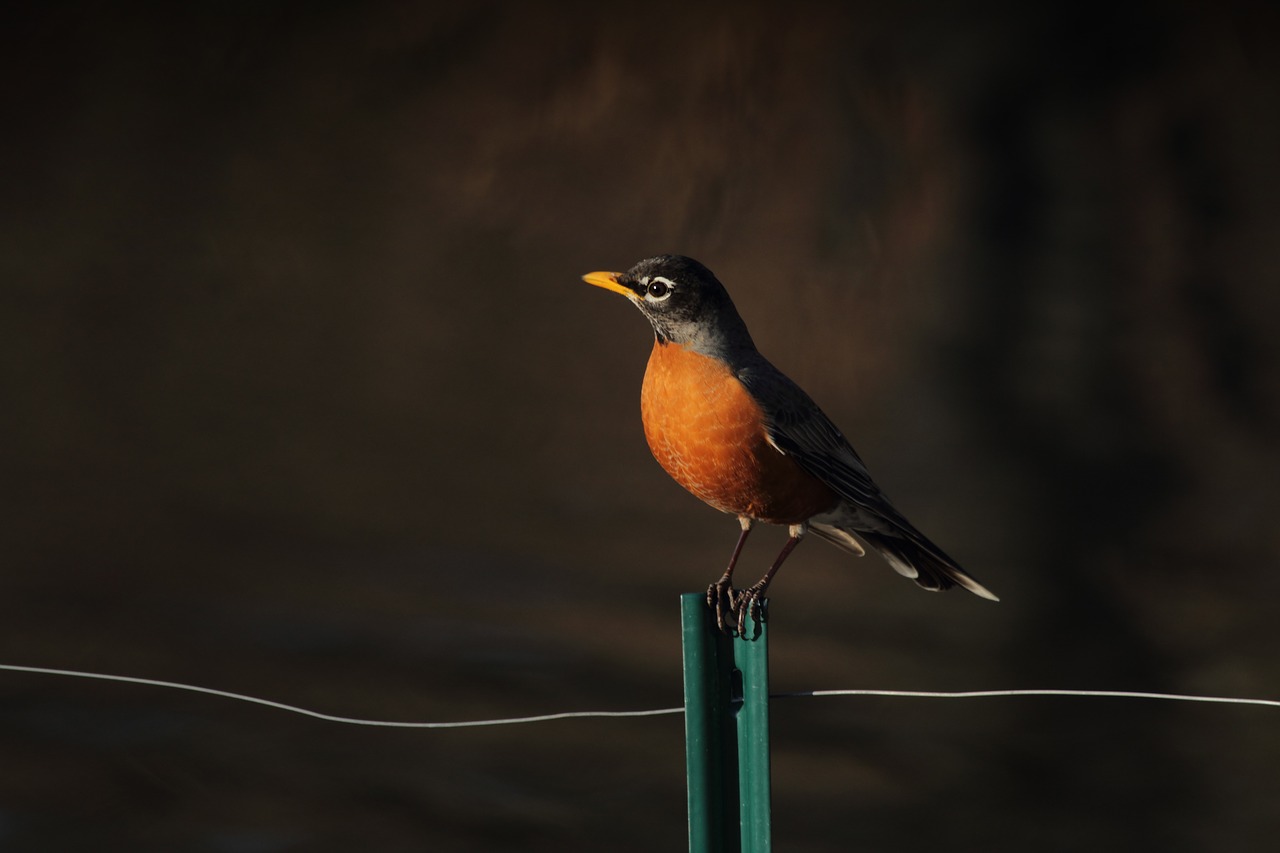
column 659, row 289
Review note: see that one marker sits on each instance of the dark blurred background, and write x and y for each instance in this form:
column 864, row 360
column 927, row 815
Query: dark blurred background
column 302, row 397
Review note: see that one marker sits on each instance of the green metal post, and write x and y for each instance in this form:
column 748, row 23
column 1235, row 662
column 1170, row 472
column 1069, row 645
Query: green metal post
column 708, row 731
column 726, row 684
column 752, row 716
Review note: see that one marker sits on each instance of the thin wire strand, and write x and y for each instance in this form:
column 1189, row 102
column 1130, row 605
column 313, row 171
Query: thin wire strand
column 352, row 721
column 983, row 694
column 655, row 712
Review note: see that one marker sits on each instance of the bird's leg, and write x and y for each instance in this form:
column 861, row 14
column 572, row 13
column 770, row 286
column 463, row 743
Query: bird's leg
column 721, row 596
column 747, row 605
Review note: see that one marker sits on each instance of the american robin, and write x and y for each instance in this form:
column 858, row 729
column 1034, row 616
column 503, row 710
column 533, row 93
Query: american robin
column 737, row 433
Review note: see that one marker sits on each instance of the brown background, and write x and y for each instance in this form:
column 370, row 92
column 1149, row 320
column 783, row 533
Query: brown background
column 302, row 397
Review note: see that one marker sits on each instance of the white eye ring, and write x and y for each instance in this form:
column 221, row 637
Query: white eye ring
column 658, row 288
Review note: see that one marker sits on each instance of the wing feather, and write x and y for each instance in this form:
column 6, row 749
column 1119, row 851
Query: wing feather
column 800, row 429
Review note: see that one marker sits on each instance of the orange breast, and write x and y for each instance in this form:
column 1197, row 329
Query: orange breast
column 708, row 433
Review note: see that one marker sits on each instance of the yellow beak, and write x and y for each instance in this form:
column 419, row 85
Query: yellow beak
column 609, row 281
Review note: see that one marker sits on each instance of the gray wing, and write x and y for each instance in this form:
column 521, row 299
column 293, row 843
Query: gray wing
column 799, row 429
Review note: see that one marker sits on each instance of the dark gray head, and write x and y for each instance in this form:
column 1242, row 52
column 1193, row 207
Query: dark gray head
column 684, row 301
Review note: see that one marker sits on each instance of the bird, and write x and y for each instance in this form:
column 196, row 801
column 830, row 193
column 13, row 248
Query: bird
column 737, row 433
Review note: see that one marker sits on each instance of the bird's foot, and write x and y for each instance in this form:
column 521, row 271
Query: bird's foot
column 751, row 608
column 736, row 610
column 722, row 599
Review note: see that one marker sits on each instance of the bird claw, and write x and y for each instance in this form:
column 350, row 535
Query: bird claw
column 751, row 608
column 735, row 609
column 722, row 599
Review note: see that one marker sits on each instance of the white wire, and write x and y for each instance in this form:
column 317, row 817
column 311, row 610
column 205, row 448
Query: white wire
column 982, row 694
column 655, row 712
column 353, row 721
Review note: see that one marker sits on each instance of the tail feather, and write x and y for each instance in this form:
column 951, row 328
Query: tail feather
column 838, row 537
column 929, row 568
